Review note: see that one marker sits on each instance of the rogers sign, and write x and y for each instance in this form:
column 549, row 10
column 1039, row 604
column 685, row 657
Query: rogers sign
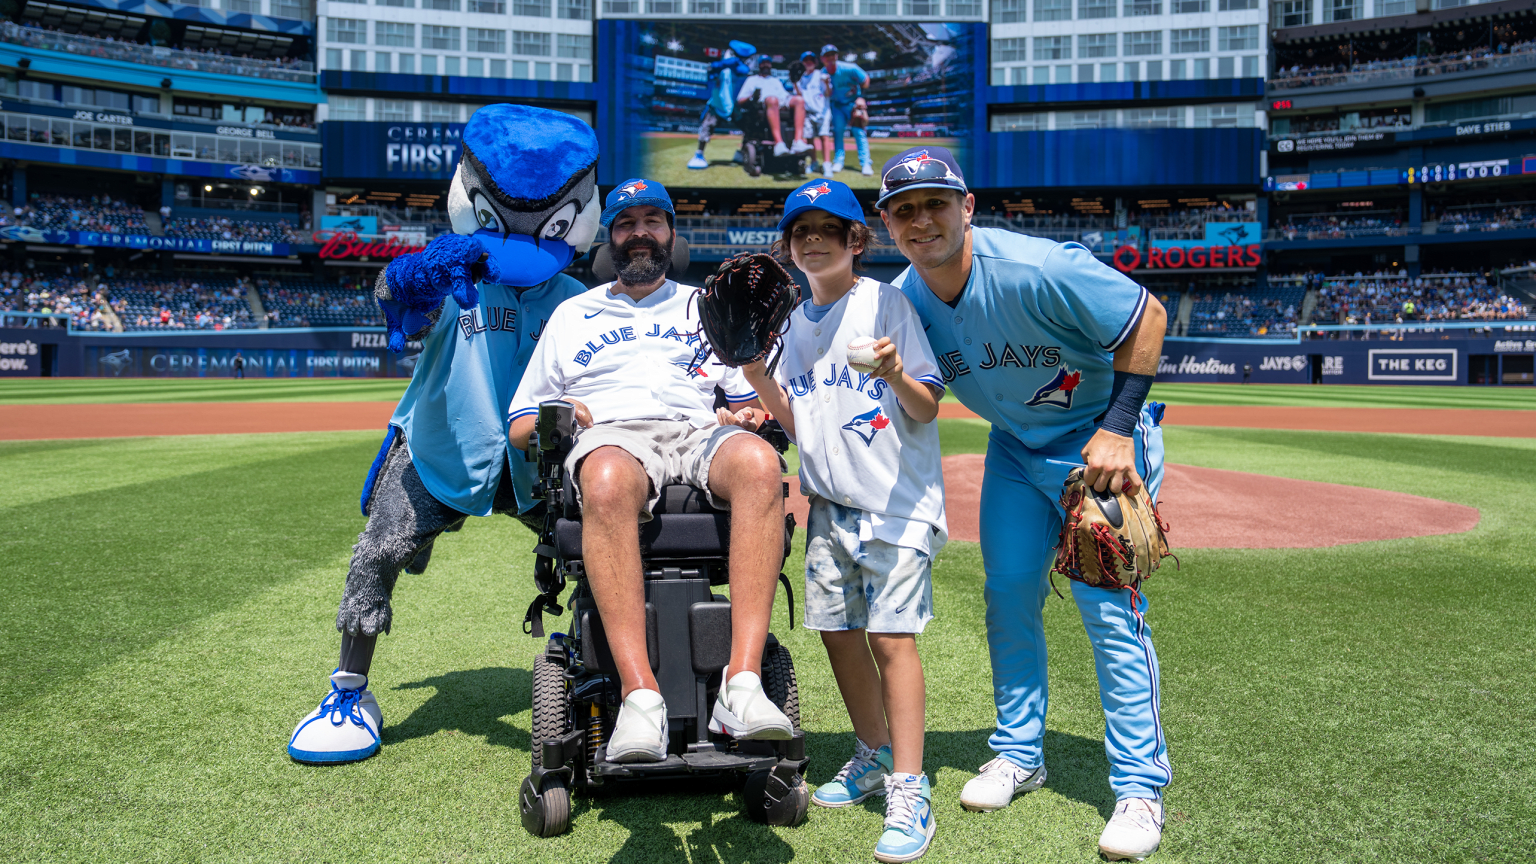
column 1128, row 258
column 349, row 245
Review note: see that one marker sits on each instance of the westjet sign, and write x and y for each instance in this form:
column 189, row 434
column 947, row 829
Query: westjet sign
column 751, row 237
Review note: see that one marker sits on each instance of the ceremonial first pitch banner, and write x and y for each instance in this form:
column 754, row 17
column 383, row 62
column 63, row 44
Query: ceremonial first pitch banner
column 144, row 241
column 918, row 80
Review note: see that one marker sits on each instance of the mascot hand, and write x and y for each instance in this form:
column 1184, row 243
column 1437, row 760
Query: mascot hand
column 421, row 280
column 413, row 286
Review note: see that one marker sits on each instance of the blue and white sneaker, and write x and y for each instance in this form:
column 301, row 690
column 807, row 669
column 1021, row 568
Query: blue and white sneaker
column 345, row 728
column 909, row 824
column 862, row 776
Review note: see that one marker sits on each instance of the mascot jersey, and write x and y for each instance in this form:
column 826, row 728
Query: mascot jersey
column 453, row 413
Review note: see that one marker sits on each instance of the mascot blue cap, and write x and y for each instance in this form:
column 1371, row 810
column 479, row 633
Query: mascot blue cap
column 526, row 189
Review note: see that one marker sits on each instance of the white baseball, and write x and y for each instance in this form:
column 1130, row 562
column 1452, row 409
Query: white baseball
column 861, row 355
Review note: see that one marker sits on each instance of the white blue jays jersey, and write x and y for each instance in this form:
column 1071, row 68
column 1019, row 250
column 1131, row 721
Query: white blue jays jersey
column 857, row 445
column 628, row 360
column 453, row 412
column 1029, row 344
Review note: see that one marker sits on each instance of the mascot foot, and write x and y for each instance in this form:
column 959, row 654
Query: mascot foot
column 698, row 162
column 345, row 728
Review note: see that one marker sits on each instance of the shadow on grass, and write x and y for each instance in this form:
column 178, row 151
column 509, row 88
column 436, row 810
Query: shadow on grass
column 1489, row 460
column 472, row 702
column 684, row 820
column 1076, row 767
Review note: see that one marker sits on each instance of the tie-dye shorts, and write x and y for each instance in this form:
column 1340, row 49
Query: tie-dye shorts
column 853, row 584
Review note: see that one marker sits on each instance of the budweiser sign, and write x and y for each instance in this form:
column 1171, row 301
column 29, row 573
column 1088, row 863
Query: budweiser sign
column 349, row 245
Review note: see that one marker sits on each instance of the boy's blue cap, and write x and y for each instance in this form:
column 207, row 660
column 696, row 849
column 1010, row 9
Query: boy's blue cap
column 920, row 168
column 632, row 193
column 829, row 195
column 807, row 55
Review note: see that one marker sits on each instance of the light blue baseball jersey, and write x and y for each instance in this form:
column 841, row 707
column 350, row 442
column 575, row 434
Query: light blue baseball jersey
column 454, row 413
column 1029, row 343
column 847, row 83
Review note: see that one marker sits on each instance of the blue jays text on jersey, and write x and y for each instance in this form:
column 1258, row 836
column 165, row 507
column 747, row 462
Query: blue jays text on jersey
column 953, row 364
column 804, row 385
column 493, row 318
column 627, row 334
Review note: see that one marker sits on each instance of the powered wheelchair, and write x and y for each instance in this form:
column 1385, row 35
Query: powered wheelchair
column 576, row 692
column 757, row 140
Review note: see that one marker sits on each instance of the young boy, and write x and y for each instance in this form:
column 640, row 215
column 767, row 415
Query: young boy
column 869, row 462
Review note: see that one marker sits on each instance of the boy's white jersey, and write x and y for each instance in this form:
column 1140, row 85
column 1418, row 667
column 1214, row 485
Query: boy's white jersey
column 628, row 360
column 812, row 87
column 857, row 445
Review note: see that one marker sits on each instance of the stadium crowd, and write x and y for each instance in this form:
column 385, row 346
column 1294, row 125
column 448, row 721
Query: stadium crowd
column 1396, row 297
column 313, row 304
column 224, row 228
column 62, row 213
column 63, row 295
column 181, row 304
column 193, row 59
column 1323, row 227
column 1487, row 218
column 1326, row 74
column 1272, row 313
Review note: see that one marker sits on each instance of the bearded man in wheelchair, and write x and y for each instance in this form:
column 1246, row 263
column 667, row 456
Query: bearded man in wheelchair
column 627, row 356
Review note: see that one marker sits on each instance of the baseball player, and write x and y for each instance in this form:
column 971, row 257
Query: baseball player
column 1058, row 351
column 721, row 84
column 627, row 355
column 812, row 90
column 869, row 462
column 764, row 85
column 846, row 83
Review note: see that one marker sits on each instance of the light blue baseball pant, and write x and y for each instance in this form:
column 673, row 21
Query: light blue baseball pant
column 840, row 118
column 1020, row 523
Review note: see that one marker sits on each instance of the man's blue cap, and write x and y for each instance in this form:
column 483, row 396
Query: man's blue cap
column 807, row 55
column 633, row 193
column 920, row 168
column 829, row 195
column 828, row 49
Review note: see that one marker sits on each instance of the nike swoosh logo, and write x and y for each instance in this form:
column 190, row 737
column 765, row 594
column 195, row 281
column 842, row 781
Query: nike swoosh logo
column 901, row 609
column 925, row 327
column 594, row 314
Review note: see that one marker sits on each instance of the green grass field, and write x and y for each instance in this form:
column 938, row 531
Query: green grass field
column 667, row 156
column 168, row 616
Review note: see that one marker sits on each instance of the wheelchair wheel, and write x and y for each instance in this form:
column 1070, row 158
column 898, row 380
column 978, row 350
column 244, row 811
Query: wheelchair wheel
column 551, row 705
column 546, row 814
column 779, row 681
column 753, row 164
column 777, row 796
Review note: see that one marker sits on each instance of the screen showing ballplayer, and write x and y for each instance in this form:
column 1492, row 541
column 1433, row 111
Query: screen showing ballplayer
column 723, row 105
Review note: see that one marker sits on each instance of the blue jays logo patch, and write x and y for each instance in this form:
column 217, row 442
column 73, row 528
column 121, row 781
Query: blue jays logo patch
column 816, row 191
column 632, row 189
column 868, row 424
column 1059, row 391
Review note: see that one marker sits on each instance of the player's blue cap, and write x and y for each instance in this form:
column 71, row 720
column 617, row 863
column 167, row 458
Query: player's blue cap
column 807, row 55
column 634, row 193
column 920, row 168
column 829, row 195
column 828, row 49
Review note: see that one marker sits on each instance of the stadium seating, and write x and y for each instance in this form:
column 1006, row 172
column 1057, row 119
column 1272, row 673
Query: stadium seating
column 1382, row 297
column 63, row 213
column 223, row 228
column 316, row 304
column 1272, row 312
column 150, row 304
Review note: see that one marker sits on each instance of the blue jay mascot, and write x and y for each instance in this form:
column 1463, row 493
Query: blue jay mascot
column 523, row 204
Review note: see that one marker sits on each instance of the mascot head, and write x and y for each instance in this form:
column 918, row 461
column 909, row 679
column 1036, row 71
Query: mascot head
column 526, row 189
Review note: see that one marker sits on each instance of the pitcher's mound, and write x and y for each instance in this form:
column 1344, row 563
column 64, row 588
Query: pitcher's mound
column 1212, row 509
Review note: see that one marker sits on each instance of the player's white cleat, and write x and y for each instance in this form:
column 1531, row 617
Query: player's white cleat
column 640, row 733
column 345, row 728
column 836, row 168
column 698, row 161
column 997, row 783
column 744, row 712
column 799, row 146
column 781, row 149
column 1134, row 831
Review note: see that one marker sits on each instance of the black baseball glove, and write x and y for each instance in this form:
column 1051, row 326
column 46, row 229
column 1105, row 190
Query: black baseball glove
column 744, row 309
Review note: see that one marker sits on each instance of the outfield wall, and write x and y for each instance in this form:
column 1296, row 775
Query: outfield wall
column 360, row 353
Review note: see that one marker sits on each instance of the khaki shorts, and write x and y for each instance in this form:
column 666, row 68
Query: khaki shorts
column 670, row 451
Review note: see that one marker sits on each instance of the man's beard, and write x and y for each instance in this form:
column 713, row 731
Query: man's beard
column 635, row 269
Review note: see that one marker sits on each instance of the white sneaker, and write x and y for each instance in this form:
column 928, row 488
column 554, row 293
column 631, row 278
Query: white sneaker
column 345, row 728
column 837, row 167
column 1134, row 831
column 698, row 161
column 640, row 733
column 781, row 149
column 828, row 169
column 997, row 783
column 743, row 711
column 867, row 169
column 799, row 146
